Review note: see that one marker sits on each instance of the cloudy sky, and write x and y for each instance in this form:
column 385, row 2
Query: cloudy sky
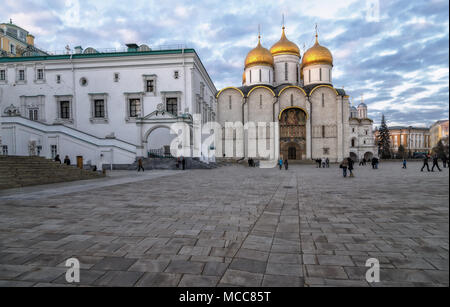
column 395, row 53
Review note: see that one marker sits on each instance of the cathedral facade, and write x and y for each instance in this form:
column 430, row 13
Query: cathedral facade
column 281, row 86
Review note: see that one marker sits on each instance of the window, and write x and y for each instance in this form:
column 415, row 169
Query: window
column 64, row 109
column 273, row 76
column 323, row 131
column 326, row 151
column 297, row 74
column 292, row 100
column 116, row 77
column 176, row 74
column 260, row 75
column 320, row 74
column 58, row 79
column 150, row 86
column 83, row 81
column 2, row 75
column 367, row 132
column 134, row 107
column 364, row 142
column 323, row 100
column 260, row 101
column 309, row 75
column 285, row 71
column 329, row 75
column 40, row 74
column 99, row 108
column 33, row 114
column 53, row 150
column 13, row 49
column 229, row 102
column 353, row 130
column 5, row 150
column 21, row 75
column 353, row 142
column 172, row 106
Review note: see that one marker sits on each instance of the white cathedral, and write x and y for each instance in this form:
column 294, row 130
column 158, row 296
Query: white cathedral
column 315, row 119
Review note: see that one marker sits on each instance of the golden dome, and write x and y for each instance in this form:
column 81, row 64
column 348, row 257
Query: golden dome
column 284, row 46
column 259, row 56
column 317, row 54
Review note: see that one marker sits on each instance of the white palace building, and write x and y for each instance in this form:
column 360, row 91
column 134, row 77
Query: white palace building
column 103, row 107
column 108, row 108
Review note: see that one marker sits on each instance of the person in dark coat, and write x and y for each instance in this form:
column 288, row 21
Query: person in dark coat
column 444, row 161
column 57, row 159
column 327, row 162
column 350, row 166
column 286, row 164
column 425, row 163
column 67, row 160
column 183, row 163
column 344, row 166
column 435, row 163
column 140, row 166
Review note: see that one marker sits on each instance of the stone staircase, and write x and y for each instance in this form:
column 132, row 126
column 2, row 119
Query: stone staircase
column 20, row 171
column 170, row 164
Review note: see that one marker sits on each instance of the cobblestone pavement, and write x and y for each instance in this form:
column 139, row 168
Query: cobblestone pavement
column 235, row 226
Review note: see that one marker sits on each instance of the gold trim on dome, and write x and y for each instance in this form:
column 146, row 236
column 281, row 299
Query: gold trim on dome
column 292, row 86
column 228, row 88
column 243, row 78
column 317, row 54
column 259, row 56
column 284, row 46
column 261, row 86
column 323, row 85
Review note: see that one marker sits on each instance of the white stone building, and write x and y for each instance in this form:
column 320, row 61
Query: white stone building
column 362, row 139
column 103, row 108
column 280, row 86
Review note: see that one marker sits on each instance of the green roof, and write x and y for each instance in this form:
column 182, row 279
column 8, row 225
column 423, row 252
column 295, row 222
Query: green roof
column 92, row 55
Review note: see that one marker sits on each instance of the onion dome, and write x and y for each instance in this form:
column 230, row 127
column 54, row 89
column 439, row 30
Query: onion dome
column 284, row 46
column 317, row 54
column 259, row 56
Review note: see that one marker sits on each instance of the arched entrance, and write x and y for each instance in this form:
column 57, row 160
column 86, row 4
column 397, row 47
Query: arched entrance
column 368, row 156
column 293, row 133
column 353, row 156
column 158, row 141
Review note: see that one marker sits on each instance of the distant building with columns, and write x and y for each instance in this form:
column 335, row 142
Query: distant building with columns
column 413, row 139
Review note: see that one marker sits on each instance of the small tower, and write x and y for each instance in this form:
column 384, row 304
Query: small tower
column 362, row 109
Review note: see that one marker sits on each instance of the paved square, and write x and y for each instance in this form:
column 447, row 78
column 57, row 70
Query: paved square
column 231, row 226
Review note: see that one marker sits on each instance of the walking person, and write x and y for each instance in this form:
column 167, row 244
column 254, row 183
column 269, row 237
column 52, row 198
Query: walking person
column 286, row 164
column 404, row 163
column 425, row 163
column 280, row 163
column 324, row 163
column 327, row 162
column 140, row 165
column 444, row 161
column 183, row 163
column 67, row 160
column 350, row 166
column 436, row 163
column 344, row 166
column 57, row 159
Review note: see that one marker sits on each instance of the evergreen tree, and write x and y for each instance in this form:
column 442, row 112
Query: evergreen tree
column 384, row 140
column 401, row 152
column 440, row 149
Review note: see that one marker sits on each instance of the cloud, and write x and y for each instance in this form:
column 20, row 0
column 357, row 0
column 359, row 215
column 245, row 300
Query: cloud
column 399, row 62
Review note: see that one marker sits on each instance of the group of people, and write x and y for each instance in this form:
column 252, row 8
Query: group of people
column 323, row 163
column 66, row 159
column 251, row 162
column 347, row 164
column 435, row 163
column 285, row 163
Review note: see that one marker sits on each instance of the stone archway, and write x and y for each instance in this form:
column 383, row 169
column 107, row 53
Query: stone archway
column 354, row 156
column 368, row 156
column 292, row 123
column 157, row 140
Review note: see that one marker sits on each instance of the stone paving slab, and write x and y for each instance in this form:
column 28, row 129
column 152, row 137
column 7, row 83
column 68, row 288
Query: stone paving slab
column 232, row 226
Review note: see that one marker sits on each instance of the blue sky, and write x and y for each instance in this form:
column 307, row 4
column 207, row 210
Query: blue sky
column 395, row 53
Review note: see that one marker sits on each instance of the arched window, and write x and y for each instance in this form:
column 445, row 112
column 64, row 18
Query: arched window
column 297, row 74
column 323, row 100
column 309, row 75
column 353, row 143
column 229, row 102
column 320, row 74
column 292, row 100
column 286, row 71
column 260, row 101
column 260, row 75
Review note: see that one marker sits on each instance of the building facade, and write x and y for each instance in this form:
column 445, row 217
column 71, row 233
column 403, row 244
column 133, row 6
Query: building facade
column 16, row 41
column 438, row 131
column 362, row 140
column 279, row 85
column 413, row 139
column 107, row 108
